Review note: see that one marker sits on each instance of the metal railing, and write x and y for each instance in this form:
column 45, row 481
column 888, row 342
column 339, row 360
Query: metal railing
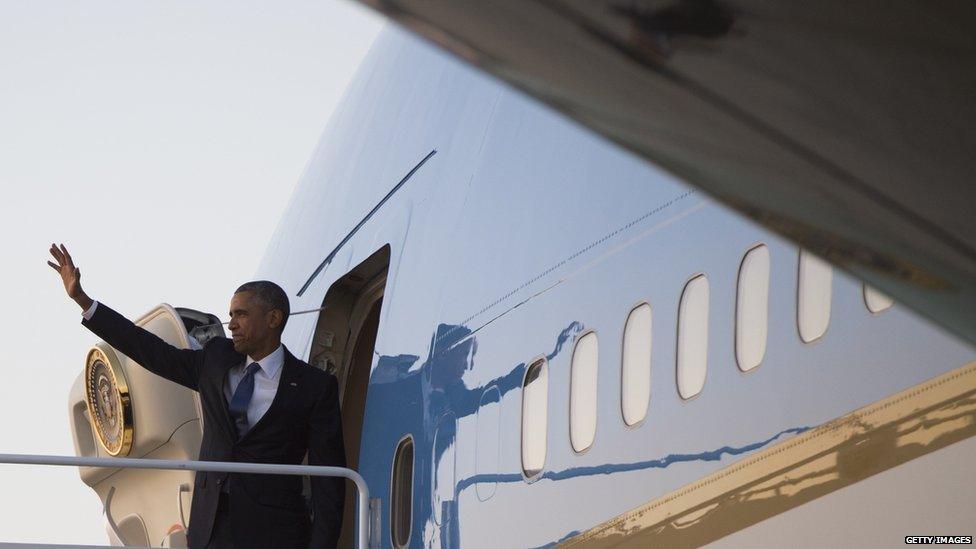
column 363, row 507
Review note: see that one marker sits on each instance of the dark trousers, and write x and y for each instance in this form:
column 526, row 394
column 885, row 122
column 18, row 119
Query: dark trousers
column 220, row 536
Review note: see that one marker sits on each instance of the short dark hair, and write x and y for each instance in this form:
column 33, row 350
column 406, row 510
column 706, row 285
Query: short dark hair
column 270, row 294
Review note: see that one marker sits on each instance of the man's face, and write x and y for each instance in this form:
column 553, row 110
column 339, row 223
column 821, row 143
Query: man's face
column 252, row 326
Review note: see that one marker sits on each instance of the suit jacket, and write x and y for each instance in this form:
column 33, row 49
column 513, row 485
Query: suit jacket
column 265, row 510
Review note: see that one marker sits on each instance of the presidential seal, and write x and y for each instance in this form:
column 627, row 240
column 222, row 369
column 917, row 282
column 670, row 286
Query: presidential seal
column 109, row 405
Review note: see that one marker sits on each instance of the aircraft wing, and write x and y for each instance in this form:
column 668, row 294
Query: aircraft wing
column 848, row 127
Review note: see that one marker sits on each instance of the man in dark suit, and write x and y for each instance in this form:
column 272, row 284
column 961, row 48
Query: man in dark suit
column 260, row 405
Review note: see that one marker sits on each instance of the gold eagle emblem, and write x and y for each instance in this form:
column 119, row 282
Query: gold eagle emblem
column 109, row 403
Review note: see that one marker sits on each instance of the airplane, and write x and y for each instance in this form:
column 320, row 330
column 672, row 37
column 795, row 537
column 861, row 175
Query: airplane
column 543, row 339
column 845, row 127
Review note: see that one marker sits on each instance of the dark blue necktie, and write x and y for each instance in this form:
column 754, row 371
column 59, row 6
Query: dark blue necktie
column 242, row 397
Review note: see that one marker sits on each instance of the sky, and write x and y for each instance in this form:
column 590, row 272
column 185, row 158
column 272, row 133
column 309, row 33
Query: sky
column 160, row 142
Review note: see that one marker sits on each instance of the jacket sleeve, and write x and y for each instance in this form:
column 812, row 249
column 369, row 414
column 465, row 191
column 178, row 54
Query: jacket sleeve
column 325, row 447
column 181, row 366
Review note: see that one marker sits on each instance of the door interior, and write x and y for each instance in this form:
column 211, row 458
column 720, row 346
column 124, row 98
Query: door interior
column 344, row 341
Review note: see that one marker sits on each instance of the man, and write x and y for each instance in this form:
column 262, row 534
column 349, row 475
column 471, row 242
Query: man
column 260, row 404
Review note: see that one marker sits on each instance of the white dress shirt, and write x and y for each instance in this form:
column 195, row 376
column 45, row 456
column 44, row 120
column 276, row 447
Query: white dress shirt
column 265, row 379
column 90, row 310
column 265, row 383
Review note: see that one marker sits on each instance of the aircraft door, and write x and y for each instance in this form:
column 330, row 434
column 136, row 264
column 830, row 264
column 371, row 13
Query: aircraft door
column 344, row 345
column 119, row 409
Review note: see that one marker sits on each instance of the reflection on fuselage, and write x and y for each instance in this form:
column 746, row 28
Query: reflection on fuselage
column 522, row 234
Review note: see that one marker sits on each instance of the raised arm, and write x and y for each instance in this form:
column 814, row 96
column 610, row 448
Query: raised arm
column 181, row 366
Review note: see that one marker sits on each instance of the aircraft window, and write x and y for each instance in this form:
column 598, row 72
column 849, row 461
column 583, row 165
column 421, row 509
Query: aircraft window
column 401, row 493
column 582, row 396
column 535, row 397
column 692, row 337
column 752, row 308
column 635, row 375
column 813, row 296
column 876, row 301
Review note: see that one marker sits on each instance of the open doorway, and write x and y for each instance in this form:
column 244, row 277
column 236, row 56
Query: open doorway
column 343, row 344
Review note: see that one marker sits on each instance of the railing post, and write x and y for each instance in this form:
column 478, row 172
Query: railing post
column 375, row 518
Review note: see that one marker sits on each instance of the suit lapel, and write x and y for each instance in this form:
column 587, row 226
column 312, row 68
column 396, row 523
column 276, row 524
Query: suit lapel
column 291, row 372
column 224, row 406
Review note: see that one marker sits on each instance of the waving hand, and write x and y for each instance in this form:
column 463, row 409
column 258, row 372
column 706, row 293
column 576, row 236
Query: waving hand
column 70, row 275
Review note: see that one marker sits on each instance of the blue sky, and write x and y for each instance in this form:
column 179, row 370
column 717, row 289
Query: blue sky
column 160, row 142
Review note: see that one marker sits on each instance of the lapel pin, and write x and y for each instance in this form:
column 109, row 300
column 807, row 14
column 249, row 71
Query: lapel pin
column 293, row 384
